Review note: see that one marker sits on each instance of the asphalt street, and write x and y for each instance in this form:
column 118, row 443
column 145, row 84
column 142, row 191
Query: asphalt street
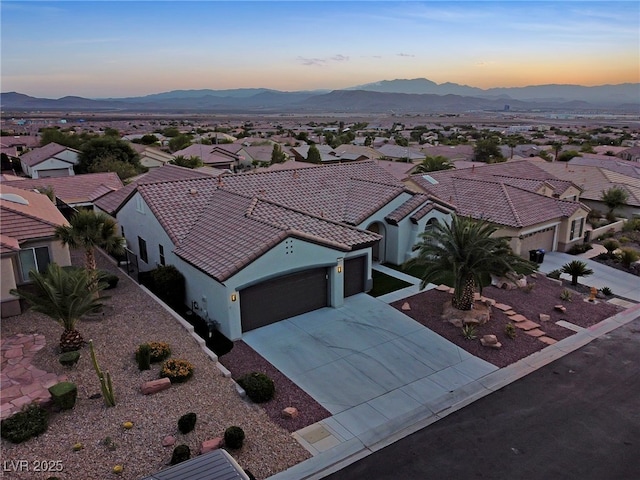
column 576, row 418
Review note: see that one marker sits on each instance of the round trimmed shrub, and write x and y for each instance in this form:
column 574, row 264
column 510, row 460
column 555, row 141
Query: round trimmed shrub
column 187, row 422
column 233, row 437
column 177, row 370
column 259, row 387
column 159, row 351
column 31, row 421
column 180, row 454
column 69, row 359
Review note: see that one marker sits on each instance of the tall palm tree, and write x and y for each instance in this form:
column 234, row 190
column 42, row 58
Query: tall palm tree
column 64, row 295
column 88, row 230
column 433, row 164
column 465, row 254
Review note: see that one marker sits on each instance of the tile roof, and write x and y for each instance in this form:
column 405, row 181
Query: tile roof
column 112, row 202
column 39, row 155
column 85, row 188
column 37, row 218
column 416, row 201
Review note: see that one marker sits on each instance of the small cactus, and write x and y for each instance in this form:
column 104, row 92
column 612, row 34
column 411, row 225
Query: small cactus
column 143, row 356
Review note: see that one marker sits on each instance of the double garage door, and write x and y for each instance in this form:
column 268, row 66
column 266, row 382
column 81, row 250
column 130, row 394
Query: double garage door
column 294, row 294
column 542, row 239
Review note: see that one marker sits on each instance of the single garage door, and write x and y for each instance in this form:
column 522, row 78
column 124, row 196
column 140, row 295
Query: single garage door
column 53, row 173
column 283, row 297
column 537, row 240
column 354, row 275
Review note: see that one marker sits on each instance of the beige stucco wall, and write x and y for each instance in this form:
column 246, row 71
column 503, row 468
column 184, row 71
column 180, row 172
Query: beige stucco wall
column 10, row 305
column 564, row 242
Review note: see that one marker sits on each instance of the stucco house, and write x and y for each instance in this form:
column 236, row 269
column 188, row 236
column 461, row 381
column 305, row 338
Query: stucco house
column 535, row 209
column 52, row 160
column 27, row 240
column 151, row 157
column 256, row 248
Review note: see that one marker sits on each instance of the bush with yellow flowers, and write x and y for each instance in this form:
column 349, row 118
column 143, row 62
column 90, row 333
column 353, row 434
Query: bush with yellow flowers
column 177, row 370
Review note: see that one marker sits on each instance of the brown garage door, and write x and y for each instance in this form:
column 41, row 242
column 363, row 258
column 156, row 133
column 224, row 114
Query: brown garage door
column 354, row 275
column 283, row 297
column 537, row 240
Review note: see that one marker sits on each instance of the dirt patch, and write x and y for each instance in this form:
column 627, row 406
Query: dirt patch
column 242, row 359
column 426, row 308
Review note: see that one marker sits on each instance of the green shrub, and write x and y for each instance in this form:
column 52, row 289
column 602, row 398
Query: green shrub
column 69, row 359
column 143, row 357
column 510, row 331
column 625, row 239
column 177, row 370
column 606, row 291
column 111, row 279
column 64, row 395
column 632, row 225
column 180, row 454
column 611, row 245
column 29, row 422
column 469, row 332
column 554, row 274
column 579, row 248
column 565, row 295
column 233, row 437
column 259, row 387
column 187, row 422
column 169, row 285
column 627, row 256
column 159, row 351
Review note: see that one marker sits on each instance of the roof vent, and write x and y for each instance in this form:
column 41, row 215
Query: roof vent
column 12, row 197
column 193, row 191
column 430, row 179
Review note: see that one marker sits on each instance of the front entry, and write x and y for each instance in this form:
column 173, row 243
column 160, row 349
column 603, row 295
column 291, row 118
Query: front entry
column 378, row 250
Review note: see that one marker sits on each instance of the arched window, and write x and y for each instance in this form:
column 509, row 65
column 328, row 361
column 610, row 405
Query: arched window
column 430, row 224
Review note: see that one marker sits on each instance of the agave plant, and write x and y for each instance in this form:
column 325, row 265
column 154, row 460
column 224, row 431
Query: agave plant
column 65, row 296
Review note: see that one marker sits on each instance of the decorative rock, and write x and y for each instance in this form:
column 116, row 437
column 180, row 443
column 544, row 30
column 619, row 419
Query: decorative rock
column 518, row 318
column 155, row 386
column 547, row 340
column 560, row 308
column 290, row 412
column 442, row 288
column 544, row 317
column 211, row 445
column 502, row 306
column 490, row 341
column 510, row 313
column 527, row 325
column 405, row 306
column 168, row 441
column 536, row 332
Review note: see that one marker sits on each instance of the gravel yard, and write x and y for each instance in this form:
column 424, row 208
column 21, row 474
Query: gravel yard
column 131, row 318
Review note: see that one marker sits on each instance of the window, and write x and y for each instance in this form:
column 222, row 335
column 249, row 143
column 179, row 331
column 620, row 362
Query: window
column 33, row 259
column 161, row 250
column 121, row 231
column 577, row 227
column 430, row 224
column 139, row 203
column 142, row 248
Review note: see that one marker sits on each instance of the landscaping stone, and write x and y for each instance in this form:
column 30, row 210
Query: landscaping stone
column 503, row 307
column 168, row 441
column 490, row 341
column 290, row 412
column 405, row 306
column 560, row 308
column 155, row 386
column 527, row 325
column 536, row 332
column 547, row 340
column 211, row 445
column 544, row 317
column 518, row 318
column 510, row 313
column 442, row 288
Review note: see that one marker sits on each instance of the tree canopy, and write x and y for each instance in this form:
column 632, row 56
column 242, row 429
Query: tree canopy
column 192, row 162
column 102, row 149
column 614, row 198
column 487, row 150
column 313, row 156
column 433, row 164
column 277, row 155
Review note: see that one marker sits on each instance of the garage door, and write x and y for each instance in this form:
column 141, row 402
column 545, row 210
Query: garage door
column 283, row 297
column 354, row 275
column 54, row 173
column 537, row 240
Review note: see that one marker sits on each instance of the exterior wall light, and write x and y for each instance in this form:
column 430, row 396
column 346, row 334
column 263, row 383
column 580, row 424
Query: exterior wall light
column 339, row 268
column 234, row 297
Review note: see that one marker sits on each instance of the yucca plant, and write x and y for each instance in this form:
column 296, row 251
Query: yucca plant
column 576, row 268
column 65, row 296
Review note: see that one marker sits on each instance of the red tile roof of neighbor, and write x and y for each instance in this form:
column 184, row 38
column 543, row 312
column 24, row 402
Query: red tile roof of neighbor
column 502, row 193
column 38, row 155
column 222, row 224
column 85, row 188
column 36, row 218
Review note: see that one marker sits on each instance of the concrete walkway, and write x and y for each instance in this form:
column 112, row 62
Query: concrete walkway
column 20, row 382
column 621, row 283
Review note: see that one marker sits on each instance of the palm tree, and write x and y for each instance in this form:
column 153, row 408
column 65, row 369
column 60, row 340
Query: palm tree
column 465, row 254
column 576, row 268
column 88, row 230
column 433, row 164
column 64, row 295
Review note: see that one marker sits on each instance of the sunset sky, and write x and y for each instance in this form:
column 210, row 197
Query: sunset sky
column 124, row 48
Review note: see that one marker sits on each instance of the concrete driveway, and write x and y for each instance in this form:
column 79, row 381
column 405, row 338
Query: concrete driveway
column 366, row 362
column 621, row 283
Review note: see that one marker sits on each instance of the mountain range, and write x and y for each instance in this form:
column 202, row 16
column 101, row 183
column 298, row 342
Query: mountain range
column 418, row 95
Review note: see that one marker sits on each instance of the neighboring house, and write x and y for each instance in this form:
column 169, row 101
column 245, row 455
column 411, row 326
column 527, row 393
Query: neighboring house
column 52, row 160
column 454, row 153
column 76, row 191
column 367, row 153
column 399, row 170
column 260, row 247
column 27, row 240
column 260, row 154
column 595, row 176
column 535, row 209
column 212, row 155
column 396, row 152
column 151, row 157
column 631, row 154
